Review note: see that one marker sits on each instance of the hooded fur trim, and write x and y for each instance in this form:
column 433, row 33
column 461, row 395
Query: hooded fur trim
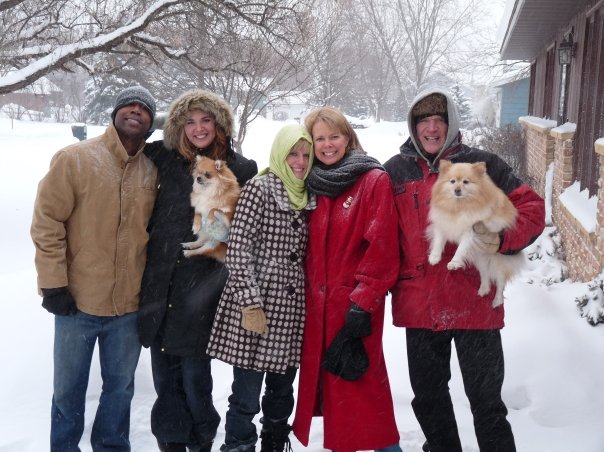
column 197, row 100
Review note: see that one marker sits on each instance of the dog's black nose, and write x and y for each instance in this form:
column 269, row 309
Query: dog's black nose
column 457, row 192
column 199, row 179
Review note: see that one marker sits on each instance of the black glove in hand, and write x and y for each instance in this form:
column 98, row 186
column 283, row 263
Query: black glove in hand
column 346, row 357
column 59, row 301
column 358, row 322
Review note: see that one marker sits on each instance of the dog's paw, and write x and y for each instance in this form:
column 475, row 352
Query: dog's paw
column 455, row 265
column 484, row 289
column 188, row 245
column 497, row 301
column 187, row 253
column 434, row 259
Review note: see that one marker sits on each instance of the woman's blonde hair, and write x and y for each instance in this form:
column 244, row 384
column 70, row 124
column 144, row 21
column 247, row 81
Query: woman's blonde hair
column 336, row 120
column 300, row 146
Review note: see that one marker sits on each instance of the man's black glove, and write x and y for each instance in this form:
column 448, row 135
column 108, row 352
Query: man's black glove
column 59, row 301
column 358, row 322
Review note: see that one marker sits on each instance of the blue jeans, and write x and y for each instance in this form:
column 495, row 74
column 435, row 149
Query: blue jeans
column 244, row 404
column 184, row 410
column 119, row 350
column 393, row 448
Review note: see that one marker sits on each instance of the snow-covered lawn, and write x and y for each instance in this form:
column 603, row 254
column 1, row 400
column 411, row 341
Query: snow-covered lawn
column 554, row 359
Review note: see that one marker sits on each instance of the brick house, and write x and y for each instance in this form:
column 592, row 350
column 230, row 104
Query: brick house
column 564, row 42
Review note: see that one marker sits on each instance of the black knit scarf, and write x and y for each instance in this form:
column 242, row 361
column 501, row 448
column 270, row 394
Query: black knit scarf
column 333, row 180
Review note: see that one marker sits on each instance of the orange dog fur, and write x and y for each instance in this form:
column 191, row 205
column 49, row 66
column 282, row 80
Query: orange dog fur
column 463, row 195
column 215, row 189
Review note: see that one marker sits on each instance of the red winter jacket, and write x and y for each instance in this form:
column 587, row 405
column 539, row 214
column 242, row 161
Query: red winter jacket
column 434, row 297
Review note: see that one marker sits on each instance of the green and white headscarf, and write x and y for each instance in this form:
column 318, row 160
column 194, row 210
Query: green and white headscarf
column 284, row 141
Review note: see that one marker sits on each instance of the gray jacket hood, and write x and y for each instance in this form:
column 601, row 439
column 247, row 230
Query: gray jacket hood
column 452, row 114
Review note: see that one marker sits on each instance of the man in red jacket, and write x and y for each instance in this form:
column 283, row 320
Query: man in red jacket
column 437, row 305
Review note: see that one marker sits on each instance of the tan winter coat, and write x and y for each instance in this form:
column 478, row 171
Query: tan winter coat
column 90, row 224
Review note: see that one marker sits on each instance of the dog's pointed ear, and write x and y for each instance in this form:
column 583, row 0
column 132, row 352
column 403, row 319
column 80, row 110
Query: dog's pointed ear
column 218, row 164
column 444, row 165
column 480, row 167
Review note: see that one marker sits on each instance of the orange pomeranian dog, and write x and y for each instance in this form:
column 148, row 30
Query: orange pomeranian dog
column 462, row 196
column 214, row 197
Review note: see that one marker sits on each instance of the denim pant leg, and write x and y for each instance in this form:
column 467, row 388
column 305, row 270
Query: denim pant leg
column 119, row 351
column 75, row 337
column 429, row 361
column 278, row 398
column 197, row 384
column 393, row 448
column 244, row 404
column 480, row 355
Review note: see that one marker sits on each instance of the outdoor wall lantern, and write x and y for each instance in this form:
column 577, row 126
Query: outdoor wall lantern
column 566, row 50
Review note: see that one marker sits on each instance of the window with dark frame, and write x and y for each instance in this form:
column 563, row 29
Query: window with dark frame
column 590, row 123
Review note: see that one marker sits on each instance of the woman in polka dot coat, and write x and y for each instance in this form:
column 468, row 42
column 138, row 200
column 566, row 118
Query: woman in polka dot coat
column 260, row 318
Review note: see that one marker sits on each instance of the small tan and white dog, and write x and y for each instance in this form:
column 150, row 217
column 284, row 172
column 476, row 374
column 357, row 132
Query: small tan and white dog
column 462, row 196
column 215, row 193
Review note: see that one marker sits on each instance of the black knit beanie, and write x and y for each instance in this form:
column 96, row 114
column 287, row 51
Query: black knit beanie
column 136, row 94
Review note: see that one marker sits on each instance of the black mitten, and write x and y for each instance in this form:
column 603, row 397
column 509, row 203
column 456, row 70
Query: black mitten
column 346, row 357
column 358, row 322
column 59, row 301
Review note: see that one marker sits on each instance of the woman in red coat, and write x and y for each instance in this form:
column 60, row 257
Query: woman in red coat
column 352, row 261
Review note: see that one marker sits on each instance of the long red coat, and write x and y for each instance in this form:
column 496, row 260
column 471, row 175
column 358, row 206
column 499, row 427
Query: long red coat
column 352, row 256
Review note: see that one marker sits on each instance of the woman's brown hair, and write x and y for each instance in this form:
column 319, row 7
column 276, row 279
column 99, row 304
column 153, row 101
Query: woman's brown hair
column 216, row 151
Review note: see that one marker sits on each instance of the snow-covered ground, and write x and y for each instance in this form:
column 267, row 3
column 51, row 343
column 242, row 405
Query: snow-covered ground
column 554, row 359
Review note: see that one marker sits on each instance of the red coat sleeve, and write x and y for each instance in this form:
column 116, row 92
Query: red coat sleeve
column 529, row 223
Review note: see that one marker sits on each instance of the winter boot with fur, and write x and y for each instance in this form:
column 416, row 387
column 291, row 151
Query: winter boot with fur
column 276, row 439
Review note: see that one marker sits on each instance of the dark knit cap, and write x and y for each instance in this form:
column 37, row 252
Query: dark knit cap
column 134, row 94
column 433, row 104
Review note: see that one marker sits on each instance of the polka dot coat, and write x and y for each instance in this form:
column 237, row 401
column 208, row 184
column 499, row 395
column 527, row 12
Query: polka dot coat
column 265, row 259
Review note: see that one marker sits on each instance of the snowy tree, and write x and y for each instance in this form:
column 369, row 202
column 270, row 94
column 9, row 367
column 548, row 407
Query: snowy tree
column 40, row 36
column 464, row 106
column 420, row 37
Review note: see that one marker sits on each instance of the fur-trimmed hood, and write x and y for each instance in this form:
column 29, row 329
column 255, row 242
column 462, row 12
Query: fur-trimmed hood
column 201, row 100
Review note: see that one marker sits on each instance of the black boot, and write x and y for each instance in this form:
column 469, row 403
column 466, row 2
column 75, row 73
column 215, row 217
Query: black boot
column 171, row 447
column 277, row 439
column 207, row 447
column 426, row 447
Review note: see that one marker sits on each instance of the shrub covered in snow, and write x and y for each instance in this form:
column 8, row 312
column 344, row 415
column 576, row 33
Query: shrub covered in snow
column 591, row 304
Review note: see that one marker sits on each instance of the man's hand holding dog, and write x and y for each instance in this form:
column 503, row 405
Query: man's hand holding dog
column 487, row 241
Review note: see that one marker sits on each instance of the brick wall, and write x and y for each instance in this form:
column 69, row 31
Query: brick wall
column 540, row 151
column 583, row 250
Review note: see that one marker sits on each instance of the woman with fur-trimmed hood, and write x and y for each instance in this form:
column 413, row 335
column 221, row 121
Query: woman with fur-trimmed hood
column 179, row 295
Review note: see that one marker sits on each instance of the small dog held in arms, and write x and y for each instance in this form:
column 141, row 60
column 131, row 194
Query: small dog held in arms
column 214, row 197
column 463, row 196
